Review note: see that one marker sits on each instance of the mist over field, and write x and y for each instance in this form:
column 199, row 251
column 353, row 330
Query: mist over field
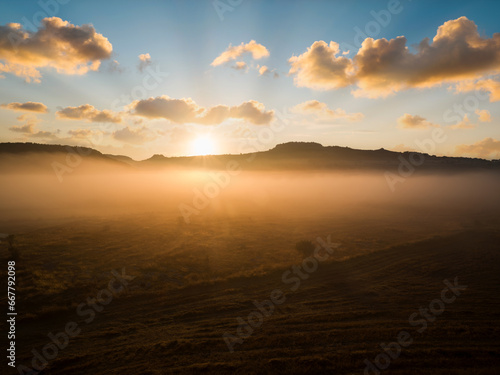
column 100, row 189
column 203, row 247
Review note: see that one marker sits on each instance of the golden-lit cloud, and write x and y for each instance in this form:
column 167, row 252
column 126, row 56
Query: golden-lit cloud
column 321, row 111
column 483, row 115
column 408, row 121
column 257, row 51
column 145, row 57
column 240, row 65
column 175, row 110
column 57, row 44
column 265, row 70
column 488, row 148
column 29, row 73
column 81, row 133
column 464, row 124
column 251, row 111
column 320, row 68
column 133, row 136
column 488, row 85
column 381, row 67
column 187, row 111
column 28, row 128
column 144, row 61
column 87, row 112
column 28, row 106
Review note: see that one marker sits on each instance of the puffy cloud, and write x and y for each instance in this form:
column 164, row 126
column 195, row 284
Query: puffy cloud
column 464, row 124
column 212, row 116
column 321, row 111
column 29, row 73
column 145, row 57
column 381, row 67
column 320, row 68
column 257, row 51
column 57, row 44
column 28, row 129
column 252, row 111
column 28, row 106
column 240, row 65
column 408, row 121
column 263, row 70
column 488, row 85
column 89, row 113
column 43, row 134
column 488, row 148
column 144, row 61
column 80, row 133
column 30, row 122
column 114, row 66
column 187, row 111
column 484, row 115
column 175, row 110
column 133, row 136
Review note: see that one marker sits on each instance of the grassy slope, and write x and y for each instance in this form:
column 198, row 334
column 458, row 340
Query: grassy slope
column 336, row 319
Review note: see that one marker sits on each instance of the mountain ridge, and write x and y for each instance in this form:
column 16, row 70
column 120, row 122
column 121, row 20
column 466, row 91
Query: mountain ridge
column 289, row 155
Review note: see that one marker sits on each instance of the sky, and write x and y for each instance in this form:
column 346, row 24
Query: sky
column 190, row 77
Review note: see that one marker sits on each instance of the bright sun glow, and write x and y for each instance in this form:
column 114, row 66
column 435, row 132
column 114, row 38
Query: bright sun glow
column 203, row 145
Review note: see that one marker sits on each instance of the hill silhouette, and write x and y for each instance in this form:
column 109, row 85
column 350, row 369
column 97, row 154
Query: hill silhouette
column 291, row 155
column 37, row 157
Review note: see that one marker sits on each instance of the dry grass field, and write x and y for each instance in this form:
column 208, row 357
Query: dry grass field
column 192, row 282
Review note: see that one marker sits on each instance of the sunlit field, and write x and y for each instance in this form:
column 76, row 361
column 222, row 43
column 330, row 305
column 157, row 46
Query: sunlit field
column 192, row 276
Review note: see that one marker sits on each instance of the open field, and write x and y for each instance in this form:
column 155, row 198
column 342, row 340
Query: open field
column 192, row 281
column 330, row 324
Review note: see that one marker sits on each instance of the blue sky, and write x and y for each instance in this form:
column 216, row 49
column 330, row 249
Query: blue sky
column 184, row 37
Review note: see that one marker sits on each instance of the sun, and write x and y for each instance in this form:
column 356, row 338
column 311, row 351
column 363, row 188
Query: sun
column 203, row 145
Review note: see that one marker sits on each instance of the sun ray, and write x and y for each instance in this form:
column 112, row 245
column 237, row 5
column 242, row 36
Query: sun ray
column 203, row 145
